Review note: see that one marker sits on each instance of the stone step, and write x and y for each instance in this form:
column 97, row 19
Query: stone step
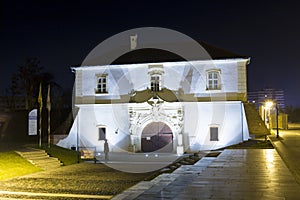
column 35, row 156
column 47, row 166
column 45, row 160
column 33, row 153
column 40, row 158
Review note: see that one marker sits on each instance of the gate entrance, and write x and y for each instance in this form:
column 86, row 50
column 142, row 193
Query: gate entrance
column 157, row 136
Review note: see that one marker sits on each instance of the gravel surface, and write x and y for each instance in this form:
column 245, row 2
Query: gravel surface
column 83, row 178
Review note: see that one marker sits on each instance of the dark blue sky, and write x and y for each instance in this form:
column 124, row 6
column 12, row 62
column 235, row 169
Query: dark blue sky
column 61, row 34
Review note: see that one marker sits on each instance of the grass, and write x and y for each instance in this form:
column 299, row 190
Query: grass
column 66, row 156
column 13, row 165
column 252, row 144
column 83, row 178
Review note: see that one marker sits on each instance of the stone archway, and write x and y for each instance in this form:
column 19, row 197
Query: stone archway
column 157, row 136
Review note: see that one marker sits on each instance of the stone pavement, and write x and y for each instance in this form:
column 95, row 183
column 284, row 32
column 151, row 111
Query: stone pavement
column 288, row 147
column 234, row 174
column 138, row 162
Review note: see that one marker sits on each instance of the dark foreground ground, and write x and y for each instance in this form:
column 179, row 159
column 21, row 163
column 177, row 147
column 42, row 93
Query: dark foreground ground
column 83, row 178
column 92, row 179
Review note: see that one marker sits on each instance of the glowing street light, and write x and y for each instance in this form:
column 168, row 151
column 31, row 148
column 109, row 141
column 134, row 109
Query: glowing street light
column 269, row 105
column 267, row 108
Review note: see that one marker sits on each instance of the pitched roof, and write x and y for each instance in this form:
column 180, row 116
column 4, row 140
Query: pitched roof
column 150, row 55
column 220, row 53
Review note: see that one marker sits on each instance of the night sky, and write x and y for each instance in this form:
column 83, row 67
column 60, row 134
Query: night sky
column 61, row 35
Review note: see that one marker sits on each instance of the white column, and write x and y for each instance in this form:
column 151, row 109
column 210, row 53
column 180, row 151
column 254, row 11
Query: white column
column 180, row 150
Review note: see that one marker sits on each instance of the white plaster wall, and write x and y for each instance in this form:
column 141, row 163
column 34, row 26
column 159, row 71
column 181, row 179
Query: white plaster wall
column 71, row 140
column 198, row 117
column 189, row 75
column 90, row 117
column 229, row 117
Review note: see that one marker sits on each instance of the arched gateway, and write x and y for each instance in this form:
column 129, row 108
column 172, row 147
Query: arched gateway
column 156, row 126
column 157, row 136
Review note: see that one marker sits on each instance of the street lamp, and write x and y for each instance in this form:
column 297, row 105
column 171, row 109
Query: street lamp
column 269, row 105
column 277, row 131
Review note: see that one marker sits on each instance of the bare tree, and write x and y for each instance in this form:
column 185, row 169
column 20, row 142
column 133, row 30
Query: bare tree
column 25, row 82
column 12, row 93
column 28, row 75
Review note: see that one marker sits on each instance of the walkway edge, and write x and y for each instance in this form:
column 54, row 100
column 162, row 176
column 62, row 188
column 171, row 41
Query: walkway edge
column 80, row 196
column 295, row 174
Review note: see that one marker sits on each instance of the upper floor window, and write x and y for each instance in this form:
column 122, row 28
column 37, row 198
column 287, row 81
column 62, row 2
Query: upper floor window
column 213, row 80
column 155, row 83
column 102, row 83
column 156, row 77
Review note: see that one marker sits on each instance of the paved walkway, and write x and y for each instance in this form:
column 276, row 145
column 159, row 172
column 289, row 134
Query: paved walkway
column 288, row 147
column 138, row 162
column 234, row 174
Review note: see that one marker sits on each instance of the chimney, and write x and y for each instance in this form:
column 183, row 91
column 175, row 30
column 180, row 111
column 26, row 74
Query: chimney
column 133, row 42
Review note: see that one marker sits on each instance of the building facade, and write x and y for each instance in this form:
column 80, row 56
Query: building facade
column 171, row 106
column 260, row 97
column 270, row 114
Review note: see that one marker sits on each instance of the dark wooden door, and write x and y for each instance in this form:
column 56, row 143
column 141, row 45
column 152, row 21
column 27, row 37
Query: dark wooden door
column 157, row 136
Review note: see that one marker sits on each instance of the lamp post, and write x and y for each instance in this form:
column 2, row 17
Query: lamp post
column 268, row 105
column 277, row 130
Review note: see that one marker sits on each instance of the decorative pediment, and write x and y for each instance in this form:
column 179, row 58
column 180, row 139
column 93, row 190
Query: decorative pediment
column 168, row 95
column 141, row 96
column 145, row 95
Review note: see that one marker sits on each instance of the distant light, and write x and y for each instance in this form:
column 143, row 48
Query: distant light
column 146, row 155
column 269, row 104
column 156, row 155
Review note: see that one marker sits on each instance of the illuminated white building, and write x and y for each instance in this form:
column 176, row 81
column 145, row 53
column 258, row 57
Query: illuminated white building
column 161, row 103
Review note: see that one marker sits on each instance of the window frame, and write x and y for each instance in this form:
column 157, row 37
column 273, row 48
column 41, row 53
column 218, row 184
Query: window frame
column 101, row 87
column 156, row 77
column 210, row 83
column 214, row 136
column 155, row 83
column 100, row 137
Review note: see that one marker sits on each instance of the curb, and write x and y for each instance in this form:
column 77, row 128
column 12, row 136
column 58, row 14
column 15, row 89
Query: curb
column 294, row 173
